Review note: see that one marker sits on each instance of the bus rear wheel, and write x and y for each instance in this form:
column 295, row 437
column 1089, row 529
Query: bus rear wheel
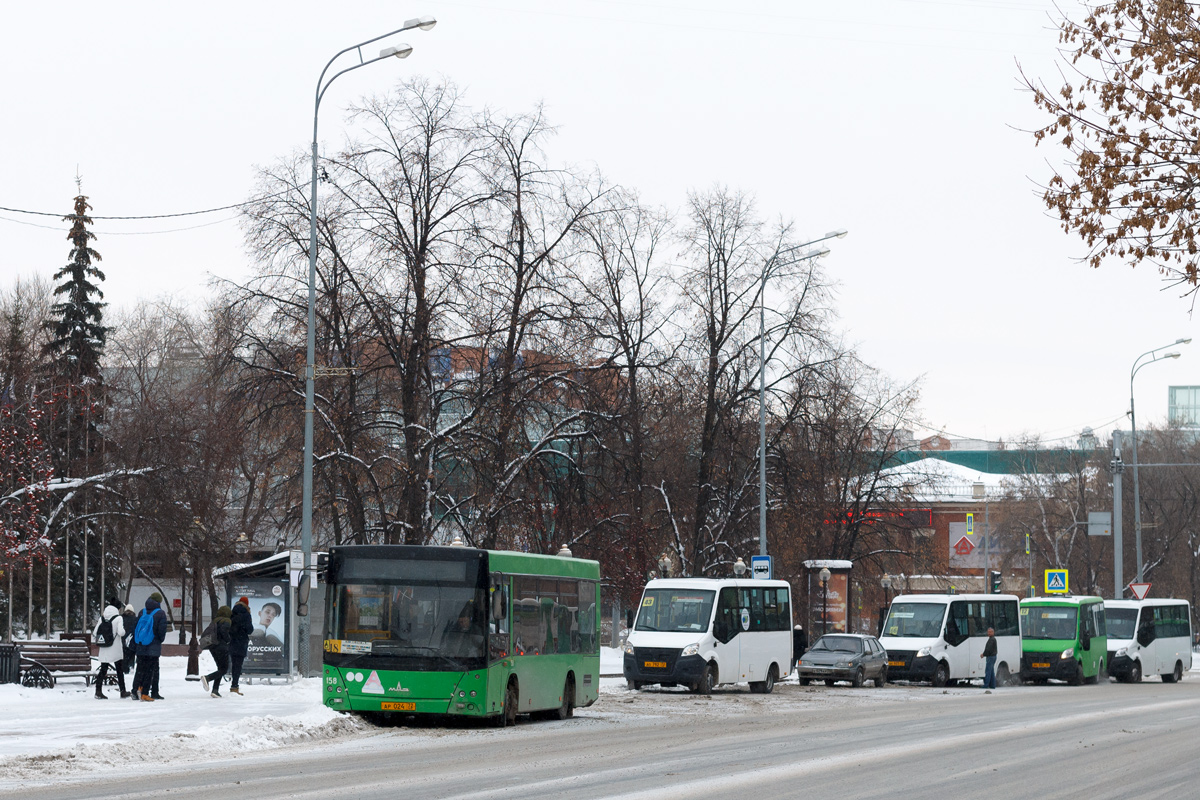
column 767, row 686
column 567, row 709
column 1003, row 676
column 1176, row 675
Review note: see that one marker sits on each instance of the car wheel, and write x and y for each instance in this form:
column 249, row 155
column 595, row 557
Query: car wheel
column 1135, row 672
column 859, row 678
column 941, row 676
column 882, row 679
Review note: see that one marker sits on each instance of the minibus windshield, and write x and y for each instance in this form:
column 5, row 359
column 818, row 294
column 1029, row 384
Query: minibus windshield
column 1121, row 622
column 916, row 620
column 675, row 610
column 1048, row 622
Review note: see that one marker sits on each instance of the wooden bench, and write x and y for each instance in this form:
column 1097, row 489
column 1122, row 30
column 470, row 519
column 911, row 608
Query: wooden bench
column 43, row 663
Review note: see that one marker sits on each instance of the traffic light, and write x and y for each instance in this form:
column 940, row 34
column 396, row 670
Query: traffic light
column 995, row 581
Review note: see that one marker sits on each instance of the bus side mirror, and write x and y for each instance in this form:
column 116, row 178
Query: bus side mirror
column 302, row 591
column 499, row 607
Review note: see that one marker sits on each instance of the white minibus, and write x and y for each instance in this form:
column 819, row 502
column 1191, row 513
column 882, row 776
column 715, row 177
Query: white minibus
column 700, row 632
column 1149, row 637
column 939, row 637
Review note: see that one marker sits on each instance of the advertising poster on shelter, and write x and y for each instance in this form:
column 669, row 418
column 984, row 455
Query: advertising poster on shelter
column 268, row 650
column 832, row 616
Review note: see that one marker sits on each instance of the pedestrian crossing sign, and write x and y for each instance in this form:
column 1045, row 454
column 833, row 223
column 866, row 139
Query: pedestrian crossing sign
column 1056, row 581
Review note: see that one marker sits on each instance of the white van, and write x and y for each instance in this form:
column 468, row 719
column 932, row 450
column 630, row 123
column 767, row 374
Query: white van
column 1149, row 637
column 700, row 632
column 939, row 637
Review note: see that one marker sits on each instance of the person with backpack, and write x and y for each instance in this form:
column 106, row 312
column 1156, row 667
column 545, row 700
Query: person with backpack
column 240, row 628
column 148, row 636
column 109, row 634
column 129, row 621
column 216, row 641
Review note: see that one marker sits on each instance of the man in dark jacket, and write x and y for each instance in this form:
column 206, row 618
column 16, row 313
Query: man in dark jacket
column 129, row 619
column 240, row 628
column 989, row 653
column 146, row 676
column 219, row 648
column 799, row 643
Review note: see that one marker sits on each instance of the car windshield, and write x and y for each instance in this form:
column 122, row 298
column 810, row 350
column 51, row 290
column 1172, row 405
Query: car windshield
column 1048, row 622
column 1122, row 622
column 916, row 620
column 675, row 610
column 839, row 644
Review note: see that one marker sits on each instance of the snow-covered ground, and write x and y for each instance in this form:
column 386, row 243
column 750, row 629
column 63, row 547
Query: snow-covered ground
column 61, row 733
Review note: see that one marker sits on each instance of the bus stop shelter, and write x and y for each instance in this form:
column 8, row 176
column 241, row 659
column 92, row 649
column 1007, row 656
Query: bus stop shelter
column 269, row 588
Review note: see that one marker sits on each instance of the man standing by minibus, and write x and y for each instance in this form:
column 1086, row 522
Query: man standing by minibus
column 989, row 653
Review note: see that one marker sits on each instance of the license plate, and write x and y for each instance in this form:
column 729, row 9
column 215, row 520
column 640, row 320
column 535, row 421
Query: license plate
column 895, row 663
column 655, row 664
column 1040, row 665
column 398, row 706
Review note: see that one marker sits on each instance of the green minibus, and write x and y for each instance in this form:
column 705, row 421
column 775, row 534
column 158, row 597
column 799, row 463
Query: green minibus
column 1064, row 638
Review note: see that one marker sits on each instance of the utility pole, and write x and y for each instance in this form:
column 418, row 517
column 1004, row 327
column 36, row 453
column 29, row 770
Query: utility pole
column 1118, row 467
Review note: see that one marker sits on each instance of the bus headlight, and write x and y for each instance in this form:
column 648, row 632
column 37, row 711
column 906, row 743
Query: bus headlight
column 691, row 650
column 1122, row 652
column 1068, row 653
column 924, row 651
column 628, row 649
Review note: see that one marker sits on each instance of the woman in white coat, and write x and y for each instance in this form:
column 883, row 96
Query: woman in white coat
column 113, row 653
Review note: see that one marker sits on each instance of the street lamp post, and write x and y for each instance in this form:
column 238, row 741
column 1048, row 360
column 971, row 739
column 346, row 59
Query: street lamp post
column 824, row 576
column 1137, row 505
column 762, row 368
column 403, row 51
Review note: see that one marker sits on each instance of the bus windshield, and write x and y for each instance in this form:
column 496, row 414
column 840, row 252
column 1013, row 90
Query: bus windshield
column 1048, row 622
column 675, row 610
column 423, row 615
column 1122, row 622
column 916, row 620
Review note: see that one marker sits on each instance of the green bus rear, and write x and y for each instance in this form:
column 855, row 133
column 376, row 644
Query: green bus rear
column 1064, row 638
column 460, row 631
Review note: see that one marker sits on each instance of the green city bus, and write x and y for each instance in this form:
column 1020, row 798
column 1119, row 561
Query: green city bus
column 1064, row 638
column 417, row 630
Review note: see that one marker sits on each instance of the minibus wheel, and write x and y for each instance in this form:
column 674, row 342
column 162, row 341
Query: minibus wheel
column 941, row 676
column 1174, row 676
column 1077, row 678
column 1135, row 672
column 707, row 681
column 1003, row 676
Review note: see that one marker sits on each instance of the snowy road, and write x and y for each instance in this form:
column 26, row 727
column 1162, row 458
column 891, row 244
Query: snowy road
column 897, row 741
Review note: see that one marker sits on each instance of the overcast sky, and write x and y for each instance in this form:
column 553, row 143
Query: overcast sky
column 900, row 120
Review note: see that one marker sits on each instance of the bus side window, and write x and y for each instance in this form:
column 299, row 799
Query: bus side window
column 1145, row 633
column 725, row 625
column 956, row 624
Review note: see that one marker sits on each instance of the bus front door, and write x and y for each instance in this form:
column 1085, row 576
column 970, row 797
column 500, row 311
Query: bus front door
column 727, row 625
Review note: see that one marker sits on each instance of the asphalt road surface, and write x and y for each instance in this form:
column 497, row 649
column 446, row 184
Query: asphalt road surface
column 1111, row 740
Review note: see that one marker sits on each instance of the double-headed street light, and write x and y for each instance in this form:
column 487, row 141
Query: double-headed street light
column 1137, row 505
column 789, row 255
column 399, row 51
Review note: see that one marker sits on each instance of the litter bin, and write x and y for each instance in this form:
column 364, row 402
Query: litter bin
column 10, row 663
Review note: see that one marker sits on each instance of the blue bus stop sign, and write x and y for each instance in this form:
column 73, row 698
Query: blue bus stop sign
column 761, row 568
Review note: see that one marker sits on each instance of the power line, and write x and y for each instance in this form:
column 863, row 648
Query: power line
column 60, row 215
column 123, row 233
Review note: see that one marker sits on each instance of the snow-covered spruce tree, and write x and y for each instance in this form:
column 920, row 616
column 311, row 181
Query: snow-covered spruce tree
column 78, row 335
